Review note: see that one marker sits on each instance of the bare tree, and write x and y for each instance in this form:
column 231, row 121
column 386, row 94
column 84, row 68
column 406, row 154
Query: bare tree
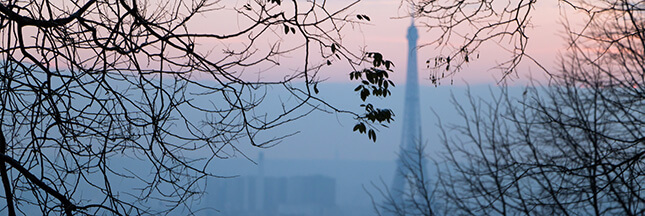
column 573, row 147
column 418, row 195
column 120, row 107
column 461, row 28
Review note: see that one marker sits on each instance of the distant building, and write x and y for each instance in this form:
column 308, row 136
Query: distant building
column 411, row 134
column 273, row 196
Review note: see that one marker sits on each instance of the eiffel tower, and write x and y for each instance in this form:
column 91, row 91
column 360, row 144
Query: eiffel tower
column 411, row 135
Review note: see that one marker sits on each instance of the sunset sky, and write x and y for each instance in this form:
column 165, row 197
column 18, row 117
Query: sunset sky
column 385, row 33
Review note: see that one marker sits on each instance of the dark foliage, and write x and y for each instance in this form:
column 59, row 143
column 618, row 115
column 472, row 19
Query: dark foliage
column 90, row 88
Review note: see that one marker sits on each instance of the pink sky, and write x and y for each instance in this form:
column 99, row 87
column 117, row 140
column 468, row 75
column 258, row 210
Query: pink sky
column 386, row 34
column 545, row 42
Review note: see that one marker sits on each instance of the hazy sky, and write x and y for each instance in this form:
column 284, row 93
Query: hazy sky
column 386, row 34
column 326, row 136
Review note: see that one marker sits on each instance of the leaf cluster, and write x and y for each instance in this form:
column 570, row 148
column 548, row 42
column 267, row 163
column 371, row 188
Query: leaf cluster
column 363, row 17
column 449, row 64
column 287, row 29
column 275, row 1
column 374, row 81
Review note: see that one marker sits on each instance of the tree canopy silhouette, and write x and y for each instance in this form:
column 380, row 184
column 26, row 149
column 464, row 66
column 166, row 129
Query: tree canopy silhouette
column 121, row 107
column 572, row 146
column 460, row 28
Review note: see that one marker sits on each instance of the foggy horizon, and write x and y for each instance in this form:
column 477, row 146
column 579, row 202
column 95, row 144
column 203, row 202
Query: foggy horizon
column 322, row 107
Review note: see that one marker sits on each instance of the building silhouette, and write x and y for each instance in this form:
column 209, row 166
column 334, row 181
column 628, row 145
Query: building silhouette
column 306, row 195
column 411, row 135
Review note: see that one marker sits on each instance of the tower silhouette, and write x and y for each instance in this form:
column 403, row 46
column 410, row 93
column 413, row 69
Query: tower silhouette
column 411, row 135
